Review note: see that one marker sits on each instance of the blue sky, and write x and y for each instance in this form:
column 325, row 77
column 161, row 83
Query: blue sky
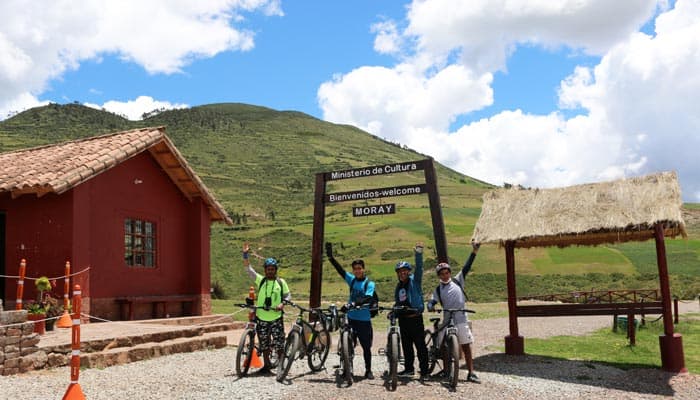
column 543, row 94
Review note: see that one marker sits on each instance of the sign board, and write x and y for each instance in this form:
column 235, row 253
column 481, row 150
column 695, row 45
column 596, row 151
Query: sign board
column 381, row 209
column 369, row 194
column 321, row 199
column 376, row 170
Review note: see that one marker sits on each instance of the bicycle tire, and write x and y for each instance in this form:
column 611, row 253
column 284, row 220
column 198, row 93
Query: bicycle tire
column 393, row 355
column 347, row 354
column 433, row 353
column 318, row 350
column 291, row 346
column 452, row 360
column 246, row 347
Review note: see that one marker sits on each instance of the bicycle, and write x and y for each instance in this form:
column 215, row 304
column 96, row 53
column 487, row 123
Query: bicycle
column 315, row 346
column 247, row 346
column 446, row 351
column 346, row 346
column 393, row 343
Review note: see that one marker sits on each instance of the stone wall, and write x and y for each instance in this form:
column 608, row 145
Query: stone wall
column 18, row 344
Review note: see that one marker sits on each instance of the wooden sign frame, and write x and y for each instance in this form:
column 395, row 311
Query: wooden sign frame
column 321, row 198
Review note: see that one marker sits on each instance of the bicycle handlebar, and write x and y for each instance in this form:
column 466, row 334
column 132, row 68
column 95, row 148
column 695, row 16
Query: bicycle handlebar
column 454, row 310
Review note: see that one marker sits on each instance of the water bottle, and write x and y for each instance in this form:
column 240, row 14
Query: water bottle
column 250, row 301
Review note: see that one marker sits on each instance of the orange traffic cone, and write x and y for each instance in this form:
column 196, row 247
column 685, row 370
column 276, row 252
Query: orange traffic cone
column 255, row 360
column 64, row 321
column 74, row 392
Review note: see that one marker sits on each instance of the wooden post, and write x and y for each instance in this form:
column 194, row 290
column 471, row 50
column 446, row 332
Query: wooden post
column 671, row 344
column 514, row 342
column 675, row 310
column 630, row 330
column 317, row 242
column 436, row 211
column 20, row 284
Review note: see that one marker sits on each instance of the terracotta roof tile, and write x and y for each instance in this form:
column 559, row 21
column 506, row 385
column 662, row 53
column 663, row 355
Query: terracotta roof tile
column 60, row 167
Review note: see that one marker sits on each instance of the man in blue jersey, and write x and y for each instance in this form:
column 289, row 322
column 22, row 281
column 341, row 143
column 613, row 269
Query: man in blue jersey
column 361, row 291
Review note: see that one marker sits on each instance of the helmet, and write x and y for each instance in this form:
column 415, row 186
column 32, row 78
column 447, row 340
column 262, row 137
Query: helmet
column 442, row 266
column 270, row 262
column 402, row 264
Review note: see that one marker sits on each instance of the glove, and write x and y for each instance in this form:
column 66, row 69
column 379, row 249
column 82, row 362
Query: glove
column 419, row 249
column 248, row 301
column 475, row 246
column 329, row 249
column 347, row 307
column 431, row 307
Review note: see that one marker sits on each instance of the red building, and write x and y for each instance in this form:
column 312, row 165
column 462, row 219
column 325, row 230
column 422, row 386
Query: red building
column 125, row 205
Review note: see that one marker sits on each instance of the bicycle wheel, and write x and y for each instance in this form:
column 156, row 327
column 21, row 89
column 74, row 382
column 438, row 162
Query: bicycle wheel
column 244, row 354
column 393, row 355
column 432, row 352
column 347, row 354
column 290, row 351
column 318, row 350
column 452, row 366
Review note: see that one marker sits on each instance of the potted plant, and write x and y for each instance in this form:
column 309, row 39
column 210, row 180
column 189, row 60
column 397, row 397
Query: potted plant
column 36, row 310
column 37, row 313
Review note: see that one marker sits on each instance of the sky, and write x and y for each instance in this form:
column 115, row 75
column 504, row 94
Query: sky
column 539, row 93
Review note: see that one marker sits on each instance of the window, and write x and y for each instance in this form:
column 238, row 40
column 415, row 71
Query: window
column 139, row 243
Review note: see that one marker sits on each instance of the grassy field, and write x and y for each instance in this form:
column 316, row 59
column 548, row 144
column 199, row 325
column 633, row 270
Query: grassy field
column 606, row 346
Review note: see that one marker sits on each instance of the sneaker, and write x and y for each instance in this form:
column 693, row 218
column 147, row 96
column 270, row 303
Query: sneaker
column 369, row 375
column 407, row 372
column 423, row 377
column 471, row 377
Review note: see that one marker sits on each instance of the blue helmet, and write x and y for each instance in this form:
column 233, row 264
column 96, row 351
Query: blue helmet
column 402, row 264
column 270, row 262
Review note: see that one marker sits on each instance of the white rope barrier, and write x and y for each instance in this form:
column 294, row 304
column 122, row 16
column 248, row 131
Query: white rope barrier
column 29, row 322
column 51, row 279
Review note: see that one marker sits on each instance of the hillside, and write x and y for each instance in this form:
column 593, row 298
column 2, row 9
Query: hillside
column 261, row 164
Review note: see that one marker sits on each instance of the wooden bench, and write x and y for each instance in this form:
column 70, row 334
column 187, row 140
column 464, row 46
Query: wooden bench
column 614, row 309
column 557, row 310
column 126, row 304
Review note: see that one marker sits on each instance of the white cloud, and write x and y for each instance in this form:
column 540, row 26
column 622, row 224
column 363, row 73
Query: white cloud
column 639, row 104
column 40, row 41
column 388, row 40
column 134, row 109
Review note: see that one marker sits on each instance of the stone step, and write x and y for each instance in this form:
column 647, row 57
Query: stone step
column 145, row 351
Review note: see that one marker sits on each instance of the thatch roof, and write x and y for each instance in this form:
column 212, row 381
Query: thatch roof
column 609, row 212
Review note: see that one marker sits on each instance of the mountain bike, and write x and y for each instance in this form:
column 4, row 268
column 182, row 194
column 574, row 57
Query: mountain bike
column 346, row 347
column 248, row 346
column 444, row 352
column 310, row 339
column 393, row 343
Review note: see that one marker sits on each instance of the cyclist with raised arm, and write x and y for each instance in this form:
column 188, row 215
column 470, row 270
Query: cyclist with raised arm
column 272, row 290
column 409, row 293
column 451, row 295
column 361, row 291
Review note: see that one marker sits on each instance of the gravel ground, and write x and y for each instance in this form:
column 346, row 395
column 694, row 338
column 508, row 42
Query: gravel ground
column 211, row 375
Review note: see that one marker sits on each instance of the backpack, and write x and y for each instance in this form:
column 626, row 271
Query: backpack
column 457, row 283
column 374, row 303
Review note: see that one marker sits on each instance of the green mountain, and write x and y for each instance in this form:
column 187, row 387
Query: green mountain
column 261, row 165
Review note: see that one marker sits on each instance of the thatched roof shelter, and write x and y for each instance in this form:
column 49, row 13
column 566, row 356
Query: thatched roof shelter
column 590, row 214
